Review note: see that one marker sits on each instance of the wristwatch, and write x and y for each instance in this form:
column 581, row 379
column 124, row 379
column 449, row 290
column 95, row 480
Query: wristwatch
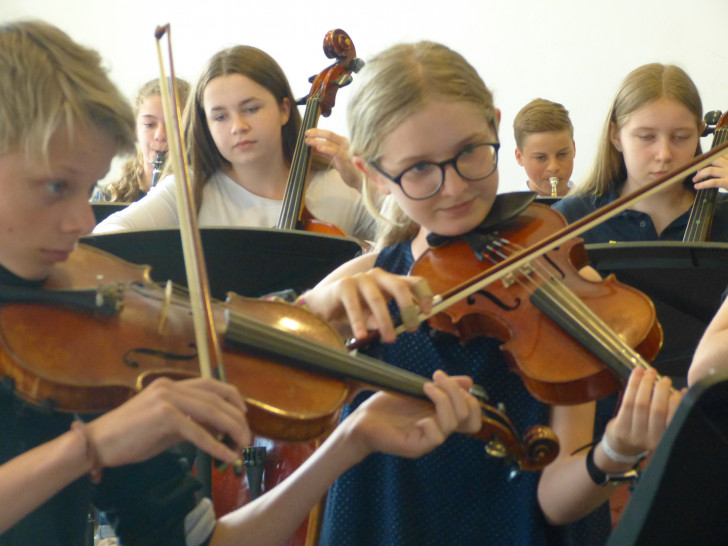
column 600, row 477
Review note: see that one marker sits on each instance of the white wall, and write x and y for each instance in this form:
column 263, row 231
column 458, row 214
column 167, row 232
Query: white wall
column 569, row 51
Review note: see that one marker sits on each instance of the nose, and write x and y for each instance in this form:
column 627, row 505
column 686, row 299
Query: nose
column 664, row 150
column 160, row 134
column 453, row 184
column 79, row 218
column 240, row 125
column 553, row 166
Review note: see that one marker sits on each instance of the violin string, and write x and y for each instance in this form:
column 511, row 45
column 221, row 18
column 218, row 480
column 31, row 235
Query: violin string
column 310, row 349
column 572, row 305
column 583, row 314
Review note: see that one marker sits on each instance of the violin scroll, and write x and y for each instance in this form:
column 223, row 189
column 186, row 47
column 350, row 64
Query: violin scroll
column 541, row 447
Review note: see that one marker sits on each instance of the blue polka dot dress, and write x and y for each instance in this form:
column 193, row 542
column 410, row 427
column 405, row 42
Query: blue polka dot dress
column 456, row 495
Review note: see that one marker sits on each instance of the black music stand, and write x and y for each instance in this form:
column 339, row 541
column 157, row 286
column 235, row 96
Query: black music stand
column 250, row 262
column 685, row 282
column 682, row 496
column 103, row 210
column 547, row 200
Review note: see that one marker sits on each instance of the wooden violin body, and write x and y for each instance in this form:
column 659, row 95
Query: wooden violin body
column 523, row 309
column 100, row 361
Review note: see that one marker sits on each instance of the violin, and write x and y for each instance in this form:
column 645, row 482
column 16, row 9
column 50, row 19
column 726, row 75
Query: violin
column 543, row 282
column 700, row 220
column 319, row 102
column 290, row 366
column 570, row 339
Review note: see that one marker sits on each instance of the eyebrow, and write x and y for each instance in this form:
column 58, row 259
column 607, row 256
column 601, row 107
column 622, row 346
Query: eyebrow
column 473, row 138
column 241, row 103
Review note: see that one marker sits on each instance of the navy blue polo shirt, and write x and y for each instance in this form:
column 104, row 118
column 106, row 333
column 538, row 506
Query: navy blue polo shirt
column 631, row 225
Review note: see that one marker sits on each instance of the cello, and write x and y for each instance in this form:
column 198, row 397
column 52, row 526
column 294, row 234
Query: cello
column 700, row 220
column 268, row 462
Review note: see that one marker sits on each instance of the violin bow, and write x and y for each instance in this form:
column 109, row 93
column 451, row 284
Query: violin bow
column 208, row 344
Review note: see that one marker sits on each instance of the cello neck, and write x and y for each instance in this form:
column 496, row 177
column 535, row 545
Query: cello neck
column 701, row 213
column 293, row 199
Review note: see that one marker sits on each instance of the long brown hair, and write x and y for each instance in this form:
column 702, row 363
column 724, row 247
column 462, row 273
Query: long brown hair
column 205, row 159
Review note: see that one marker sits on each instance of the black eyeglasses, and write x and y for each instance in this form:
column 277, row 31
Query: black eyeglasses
column 424, row 179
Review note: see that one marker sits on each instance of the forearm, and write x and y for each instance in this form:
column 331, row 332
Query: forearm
column 710, row 354
column 275, row 516
column 30, row 479
column 566, row 492
column 157, row 210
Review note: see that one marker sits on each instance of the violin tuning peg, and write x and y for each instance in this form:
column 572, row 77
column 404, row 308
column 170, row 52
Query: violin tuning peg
column 302, row 101
column 479, row 392
column 312, row 79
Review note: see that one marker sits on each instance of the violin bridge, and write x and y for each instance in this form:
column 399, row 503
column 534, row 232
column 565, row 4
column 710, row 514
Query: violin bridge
column 512, row 278
column 109, row 297
column 164, row 311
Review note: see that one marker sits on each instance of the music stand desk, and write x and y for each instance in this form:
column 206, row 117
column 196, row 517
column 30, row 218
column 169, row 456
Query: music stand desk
column 248, row 261
column 685, row 281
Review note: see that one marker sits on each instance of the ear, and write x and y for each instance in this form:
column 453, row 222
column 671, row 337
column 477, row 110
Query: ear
column 285, row 108
column 519, row 157
column 371, row 174
column 614, row 137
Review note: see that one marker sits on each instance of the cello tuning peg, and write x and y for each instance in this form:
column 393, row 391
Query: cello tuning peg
column 712, row 117
column 345, row 80
column 356, row 64
column 311, row 79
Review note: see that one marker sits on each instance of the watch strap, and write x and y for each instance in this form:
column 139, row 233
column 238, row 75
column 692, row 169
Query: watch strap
column 600, row 477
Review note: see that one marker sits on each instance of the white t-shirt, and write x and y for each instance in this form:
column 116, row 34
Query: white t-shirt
column 226, row 203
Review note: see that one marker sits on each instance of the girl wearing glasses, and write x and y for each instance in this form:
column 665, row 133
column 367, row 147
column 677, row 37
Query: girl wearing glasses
column 424, row 133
